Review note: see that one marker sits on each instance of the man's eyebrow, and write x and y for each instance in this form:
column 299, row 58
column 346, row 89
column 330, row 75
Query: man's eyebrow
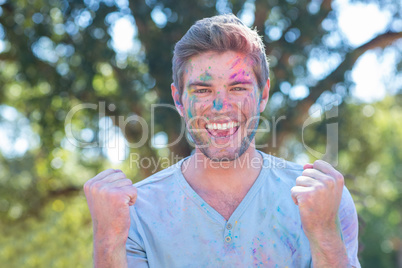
column 199, row 84
column 241, row 81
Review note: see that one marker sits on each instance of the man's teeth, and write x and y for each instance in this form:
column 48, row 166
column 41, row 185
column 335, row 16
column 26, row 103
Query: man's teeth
column 223, row 126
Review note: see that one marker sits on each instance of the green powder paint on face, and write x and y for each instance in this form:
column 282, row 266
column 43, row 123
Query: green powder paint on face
column 205, row 77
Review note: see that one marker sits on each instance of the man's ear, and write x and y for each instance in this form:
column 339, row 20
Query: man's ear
column 264, row 96
column 177, row 99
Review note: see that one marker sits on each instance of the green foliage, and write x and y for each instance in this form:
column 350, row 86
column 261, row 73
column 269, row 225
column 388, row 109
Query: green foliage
column 373, row 157
column 61, row 236
column 370, row 157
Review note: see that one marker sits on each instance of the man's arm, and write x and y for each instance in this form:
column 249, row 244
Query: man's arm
column 328, row 249
column 109, row 195
column 109, row 255
column 318, row 193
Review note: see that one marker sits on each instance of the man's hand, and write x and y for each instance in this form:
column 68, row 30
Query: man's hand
column 318, row 193
column 109, row 195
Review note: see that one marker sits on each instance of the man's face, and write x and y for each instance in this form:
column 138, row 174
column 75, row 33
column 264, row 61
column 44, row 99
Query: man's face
column 221, row 103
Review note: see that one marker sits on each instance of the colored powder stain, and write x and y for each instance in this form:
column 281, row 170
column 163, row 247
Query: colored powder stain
column 205, row 77
column 291, row 247
column 280, row 211
column 233, row 76
column 235, row 63
column 189, row 114
column 192, row 101
column 218, row 104
column 209, row 67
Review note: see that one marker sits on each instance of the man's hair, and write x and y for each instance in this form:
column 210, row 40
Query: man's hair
column 219, row 34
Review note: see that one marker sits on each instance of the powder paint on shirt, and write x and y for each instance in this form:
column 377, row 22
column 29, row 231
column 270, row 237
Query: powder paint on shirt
column 168, row 245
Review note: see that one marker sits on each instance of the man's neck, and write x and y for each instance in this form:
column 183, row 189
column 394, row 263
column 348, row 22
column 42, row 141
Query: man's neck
column 239, row 175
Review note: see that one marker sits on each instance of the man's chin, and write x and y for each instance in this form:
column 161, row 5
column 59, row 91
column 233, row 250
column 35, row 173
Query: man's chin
column 222, row 155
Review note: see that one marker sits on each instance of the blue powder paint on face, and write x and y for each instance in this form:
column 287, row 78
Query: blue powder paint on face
column 189, row 114
column 218, row 104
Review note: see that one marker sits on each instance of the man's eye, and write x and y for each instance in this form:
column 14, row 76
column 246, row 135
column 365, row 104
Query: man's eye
column 238, row 89
column 202, row 90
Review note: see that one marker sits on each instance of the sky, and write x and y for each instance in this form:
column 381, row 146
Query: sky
column 357, row 27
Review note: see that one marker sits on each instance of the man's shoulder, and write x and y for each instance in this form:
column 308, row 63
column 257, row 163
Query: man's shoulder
column 158, row 192
column 160, row 177
column 281, row 171
column 277, row 163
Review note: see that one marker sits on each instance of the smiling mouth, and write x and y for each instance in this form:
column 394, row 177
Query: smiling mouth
column 222, row 130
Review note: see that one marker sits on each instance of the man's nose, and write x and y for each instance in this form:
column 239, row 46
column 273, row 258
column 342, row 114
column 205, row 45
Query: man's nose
column 222, row 102
column 217, row 104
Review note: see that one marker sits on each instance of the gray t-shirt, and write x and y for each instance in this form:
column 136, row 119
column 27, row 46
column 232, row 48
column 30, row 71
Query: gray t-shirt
column 172, row 226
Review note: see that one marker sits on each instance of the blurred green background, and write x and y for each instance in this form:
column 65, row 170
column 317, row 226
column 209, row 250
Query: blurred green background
column 57, row 58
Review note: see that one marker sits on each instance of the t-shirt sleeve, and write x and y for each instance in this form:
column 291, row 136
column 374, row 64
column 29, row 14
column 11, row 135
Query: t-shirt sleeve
column 136, row 255
column 350, row 227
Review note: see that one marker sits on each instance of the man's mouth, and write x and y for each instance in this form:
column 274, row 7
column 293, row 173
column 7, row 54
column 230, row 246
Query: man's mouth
column 222, row 130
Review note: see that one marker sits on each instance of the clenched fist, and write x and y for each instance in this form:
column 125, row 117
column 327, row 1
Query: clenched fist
column 318, row 193
column 109, row 195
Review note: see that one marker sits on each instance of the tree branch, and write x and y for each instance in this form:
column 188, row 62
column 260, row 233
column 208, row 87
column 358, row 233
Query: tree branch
column 64, row 191
column 380, row 41
column 297, row 116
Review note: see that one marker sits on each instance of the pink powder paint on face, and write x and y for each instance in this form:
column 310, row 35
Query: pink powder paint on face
column 235, row 63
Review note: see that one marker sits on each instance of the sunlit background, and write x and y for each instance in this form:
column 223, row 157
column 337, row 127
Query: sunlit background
column 357, row 23
column 56, row 56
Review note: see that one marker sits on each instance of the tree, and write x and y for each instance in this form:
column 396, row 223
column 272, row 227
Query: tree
column 370, row 157
column 58, row 57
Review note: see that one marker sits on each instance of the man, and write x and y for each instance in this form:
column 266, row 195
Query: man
column 227, row 205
